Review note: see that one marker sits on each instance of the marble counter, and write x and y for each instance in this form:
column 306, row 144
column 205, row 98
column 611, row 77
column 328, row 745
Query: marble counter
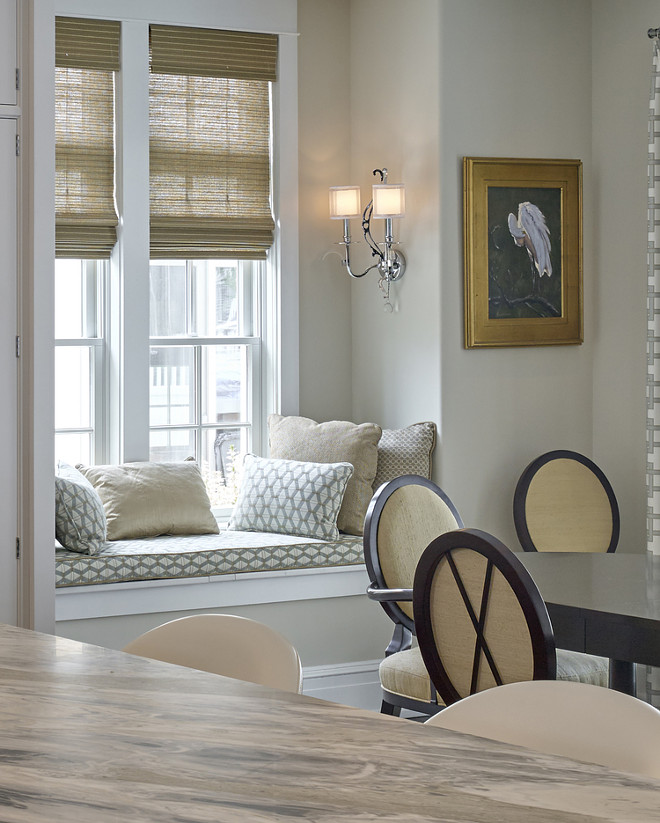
column 90, row 734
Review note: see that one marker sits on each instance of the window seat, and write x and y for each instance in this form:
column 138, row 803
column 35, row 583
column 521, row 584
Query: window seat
column 233, row 568
column 206, row 555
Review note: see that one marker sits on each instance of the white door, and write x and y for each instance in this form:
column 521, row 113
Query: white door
column 8, row 52
column 8, row 373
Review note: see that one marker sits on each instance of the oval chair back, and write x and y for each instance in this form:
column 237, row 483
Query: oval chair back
column 480, row 618
column 564, row 503
column 403, row 517
column 224, row 644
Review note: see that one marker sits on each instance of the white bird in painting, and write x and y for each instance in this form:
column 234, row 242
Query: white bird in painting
column 530, row 230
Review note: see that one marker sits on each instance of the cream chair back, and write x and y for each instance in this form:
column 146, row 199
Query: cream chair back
column 224, row 644
column 574, row 720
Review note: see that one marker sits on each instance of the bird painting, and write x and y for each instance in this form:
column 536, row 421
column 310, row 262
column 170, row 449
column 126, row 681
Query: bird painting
column 530, row 231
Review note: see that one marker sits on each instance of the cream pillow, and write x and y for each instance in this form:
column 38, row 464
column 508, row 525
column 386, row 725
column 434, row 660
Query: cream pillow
column 147, row 499
column 337, row 441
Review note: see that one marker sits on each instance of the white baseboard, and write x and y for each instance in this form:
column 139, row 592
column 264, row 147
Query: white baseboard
column 353, row 684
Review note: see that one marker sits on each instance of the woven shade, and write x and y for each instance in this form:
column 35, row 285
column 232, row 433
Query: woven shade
column 209, row 143
column 213, row 53
column 87, row 54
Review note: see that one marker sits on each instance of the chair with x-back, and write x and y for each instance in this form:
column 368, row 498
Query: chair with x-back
column 403, row 517
column 481, row 621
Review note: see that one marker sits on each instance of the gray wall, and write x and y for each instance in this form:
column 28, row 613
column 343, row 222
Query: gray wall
column 508, row 78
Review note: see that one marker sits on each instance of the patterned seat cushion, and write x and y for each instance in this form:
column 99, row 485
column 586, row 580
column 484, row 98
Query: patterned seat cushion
column 203, row 556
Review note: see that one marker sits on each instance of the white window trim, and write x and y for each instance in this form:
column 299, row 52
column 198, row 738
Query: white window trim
column 275, row 16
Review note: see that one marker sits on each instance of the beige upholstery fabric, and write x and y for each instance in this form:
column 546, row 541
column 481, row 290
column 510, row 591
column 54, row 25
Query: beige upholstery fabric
column 146, row 499
column 582, row 668
column 404, row 673
column 412, row 517
column 567, row 509
column 506, row 630
column 405, row 451
column 337, row 441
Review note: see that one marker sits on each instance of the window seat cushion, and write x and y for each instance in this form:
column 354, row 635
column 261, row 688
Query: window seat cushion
column 229, row 552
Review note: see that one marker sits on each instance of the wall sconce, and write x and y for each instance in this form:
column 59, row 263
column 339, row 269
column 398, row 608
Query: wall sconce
column 388, row 201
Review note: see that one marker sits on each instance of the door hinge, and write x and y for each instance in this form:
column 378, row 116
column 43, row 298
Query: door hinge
column 18, row 79
column 18, row 548
column 18, row 346
column 18, row 145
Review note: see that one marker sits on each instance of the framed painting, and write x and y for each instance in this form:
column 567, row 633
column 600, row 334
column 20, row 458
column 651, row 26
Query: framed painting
column 522, row 251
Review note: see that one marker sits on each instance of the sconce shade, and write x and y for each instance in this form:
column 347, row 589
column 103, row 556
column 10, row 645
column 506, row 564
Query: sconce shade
column 389, row 200
column 344, row 202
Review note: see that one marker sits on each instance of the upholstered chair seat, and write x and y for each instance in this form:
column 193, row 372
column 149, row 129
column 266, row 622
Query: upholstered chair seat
column 404, row 674
column 403, row 517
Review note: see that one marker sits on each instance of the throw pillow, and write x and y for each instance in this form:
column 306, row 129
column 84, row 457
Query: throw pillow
column 290, row 497
column 148, row 499
column 405, row 451
column 337, row 441
column 80, row 523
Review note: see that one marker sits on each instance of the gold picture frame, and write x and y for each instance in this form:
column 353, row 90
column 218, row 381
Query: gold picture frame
column 522, row 234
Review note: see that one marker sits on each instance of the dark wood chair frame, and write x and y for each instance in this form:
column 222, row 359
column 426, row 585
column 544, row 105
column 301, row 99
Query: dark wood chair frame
column 404, row 626
column 529, row 597
column 522, row 487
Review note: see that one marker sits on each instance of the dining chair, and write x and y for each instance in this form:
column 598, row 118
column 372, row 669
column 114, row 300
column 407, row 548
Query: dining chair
column 481, row 621
column 403, row 517
column 224, row 644
column 570, row 719
column 563, row 502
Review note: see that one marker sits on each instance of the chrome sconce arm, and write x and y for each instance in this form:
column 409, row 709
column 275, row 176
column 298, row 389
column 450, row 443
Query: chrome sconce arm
column 387, row 202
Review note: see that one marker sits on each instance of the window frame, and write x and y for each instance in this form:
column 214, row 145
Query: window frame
column 94, row 277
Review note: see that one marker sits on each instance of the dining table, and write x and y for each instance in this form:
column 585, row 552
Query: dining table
column 606, row 604
column 97, row 735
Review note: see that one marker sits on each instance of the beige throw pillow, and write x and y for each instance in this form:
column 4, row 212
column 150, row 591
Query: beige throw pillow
column 337, row 441
column 147, row 499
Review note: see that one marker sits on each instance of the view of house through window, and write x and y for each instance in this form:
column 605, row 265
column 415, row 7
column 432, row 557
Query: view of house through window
column 203, row 353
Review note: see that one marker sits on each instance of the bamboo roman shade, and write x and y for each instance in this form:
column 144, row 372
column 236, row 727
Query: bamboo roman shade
column 87, row 55
column 209, row 143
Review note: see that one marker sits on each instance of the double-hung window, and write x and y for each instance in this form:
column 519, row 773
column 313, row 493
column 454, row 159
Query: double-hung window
column 87, row 57
column 210, row 231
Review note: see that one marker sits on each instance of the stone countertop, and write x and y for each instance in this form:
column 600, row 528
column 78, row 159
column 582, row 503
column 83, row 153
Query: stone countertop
column 94, row 735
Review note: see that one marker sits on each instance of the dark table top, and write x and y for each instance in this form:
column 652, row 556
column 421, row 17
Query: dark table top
column 605, row 604
column 618, row 583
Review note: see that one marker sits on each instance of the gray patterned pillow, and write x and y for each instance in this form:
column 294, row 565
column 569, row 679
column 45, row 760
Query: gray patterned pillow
column 290, row 497
column 80, row 523
column 405, row 451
